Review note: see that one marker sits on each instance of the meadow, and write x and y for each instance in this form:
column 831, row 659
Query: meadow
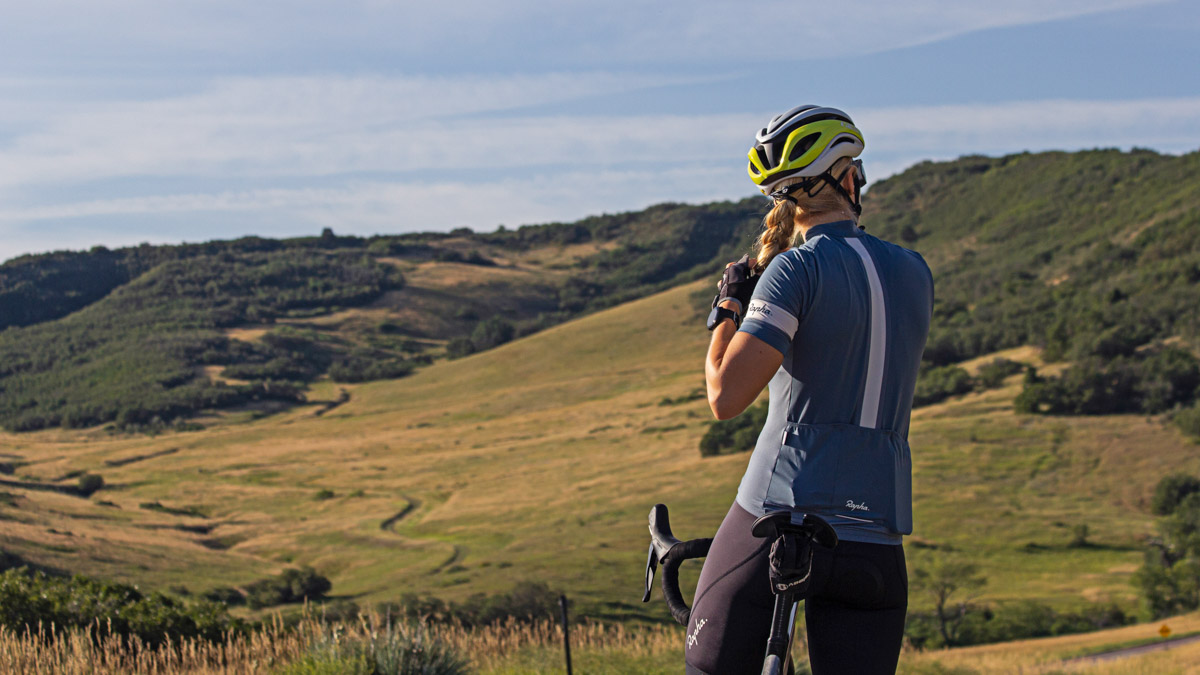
column 539, row 460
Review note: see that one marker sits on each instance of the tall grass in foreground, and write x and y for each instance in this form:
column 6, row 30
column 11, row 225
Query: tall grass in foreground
column 374, row 644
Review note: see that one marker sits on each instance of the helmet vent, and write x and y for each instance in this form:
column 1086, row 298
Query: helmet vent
column 802, row 146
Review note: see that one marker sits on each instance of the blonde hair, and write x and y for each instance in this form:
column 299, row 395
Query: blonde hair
column 781, row 229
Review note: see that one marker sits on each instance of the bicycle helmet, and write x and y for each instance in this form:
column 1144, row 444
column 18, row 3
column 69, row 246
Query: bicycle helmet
column 803, row 142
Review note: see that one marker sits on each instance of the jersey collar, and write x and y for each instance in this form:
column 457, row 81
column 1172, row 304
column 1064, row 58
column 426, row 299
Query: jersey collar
column 841, row 228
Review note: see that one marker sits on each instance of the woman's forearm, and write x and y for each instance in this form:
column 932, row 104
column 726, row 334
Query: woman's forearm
column 736, row 368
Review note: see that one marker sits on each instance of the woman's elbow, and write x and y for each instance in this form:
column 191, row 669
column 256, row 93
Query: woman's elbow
column 722, row 408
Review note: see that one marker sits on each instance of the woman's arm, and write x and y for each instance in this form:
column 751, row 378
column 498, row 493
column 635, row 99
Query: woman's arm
column 737, row 368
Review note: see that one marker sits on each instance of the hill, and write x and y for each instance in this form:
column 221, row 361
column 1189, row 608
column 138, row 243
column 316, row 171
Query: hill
column 538, row 459
column 145, row 336
column 1091, row 254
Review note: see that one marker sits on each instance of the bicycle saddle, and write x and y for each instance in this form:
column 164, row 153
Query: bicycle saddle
column 777, row 523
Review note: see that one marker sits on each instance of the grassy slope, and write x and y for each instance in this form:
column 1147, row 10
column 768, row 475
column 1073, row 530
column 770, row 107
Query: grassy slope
column 539, row 460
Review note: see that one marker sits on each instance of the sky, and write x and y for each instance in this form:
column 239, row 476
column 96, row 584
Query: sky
column 129, row 121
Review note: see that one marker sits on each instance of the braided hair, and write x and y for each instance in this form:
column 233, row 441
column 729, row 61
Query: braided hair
column 780, row 228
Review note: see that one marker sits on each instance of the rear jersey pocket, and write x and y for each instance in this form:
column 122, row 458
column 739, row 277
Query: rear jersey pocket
column 851, row 473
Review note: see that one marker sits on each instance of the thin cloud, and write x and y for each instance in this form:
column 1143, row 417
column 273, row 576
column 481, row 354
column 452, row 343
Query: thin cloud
column 145, row 35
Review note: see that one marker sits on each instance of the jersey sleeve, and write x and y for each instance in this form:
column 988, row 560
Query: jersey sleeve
column 782, row 296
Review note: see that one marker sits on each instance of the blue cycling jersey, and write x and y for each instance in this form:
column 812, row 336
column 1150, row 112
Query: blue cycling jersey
column 850, row 314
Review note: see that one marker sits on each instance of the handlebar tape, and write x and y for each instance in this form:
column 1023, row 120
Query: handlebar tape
column 694, row 548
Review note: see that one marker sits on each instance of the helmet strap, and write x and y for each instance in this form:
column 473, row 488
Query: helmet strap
column 817, row 182
column 837, row 185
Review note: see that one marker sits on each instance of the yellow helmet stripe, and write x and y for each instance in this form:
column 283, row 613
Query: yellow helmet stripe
column 828, row 130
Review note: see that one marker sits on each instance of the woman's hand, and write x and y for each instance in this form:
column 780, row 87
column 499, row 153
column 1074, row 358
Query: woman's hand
column 738, row 365
column 737, row 284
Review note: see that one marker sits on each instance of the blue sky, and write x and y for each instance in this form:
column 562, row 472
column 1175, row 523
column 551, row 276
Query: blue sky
column 141, row 120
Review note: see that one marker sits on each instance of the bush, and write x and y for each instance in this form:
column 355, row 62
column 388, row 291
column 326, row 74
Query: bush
column 459, row 347
column 89, row 484
column 29, row 599
column 1150, row 382
column 1188, row 420
column 1169, row 578
column 1079, row 536
column 993, row 374
column 365, row 366
column 293, row 585
column 938, row 384
column 1021, row 620
column 1170, row 491
column 225, row 595
column 739, row 434
column 491, row 332
column 527, row 602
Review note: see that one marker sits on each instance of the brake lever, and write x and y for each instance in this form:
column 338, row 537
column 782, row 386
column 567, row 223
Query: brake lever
column 651, row 566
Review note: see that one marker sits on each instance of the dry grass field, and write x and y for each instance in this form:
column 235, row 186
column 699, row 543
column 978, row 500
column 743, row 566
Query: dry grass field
column 516, row 649
column 539, row 460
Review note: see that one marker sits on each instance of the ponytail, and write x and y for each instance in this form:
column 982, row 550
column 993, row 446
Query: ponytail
column 779, row 232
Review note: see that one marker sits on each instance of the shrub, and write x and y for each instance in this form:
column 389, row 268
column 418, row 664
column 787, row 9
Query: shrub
column 366, row 365
column 993, row 374
column 1079, row 536
column 937, row 384
column 1170, row 491
column 225, row 595
column 89, row 484
column 1188, row 420
column 1169, row 578
column 30, row 599
column 323, row 494
column 491, row 332
column 293, row 585
column 738, row 434
column 527, row 602
column 1150, row 382
column 459, row 347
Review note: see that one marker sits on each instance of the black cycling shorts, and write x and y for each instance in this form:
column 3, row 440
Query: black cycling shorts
column 854, row 612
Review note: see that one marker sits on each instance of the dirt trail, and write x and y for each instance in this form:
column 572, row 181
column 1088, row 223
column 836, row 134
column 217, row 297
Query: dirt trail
column 1136, row 651
column 389, row 525
column 140, row 458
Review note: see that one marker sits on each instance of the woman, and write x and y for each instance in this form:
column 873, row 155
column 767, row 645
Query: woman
column 835, row 320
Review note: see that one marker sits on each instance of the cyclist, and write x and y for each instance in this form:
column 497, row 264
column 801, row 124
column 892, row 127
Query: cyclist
column 835, row 321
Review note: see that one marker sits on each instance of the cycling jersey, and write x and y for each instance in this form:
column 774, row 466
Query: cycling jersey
column 850, row 314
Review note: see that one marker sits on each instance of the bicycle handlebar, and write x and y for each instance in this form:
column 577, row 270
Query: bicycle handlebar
column 670, row 552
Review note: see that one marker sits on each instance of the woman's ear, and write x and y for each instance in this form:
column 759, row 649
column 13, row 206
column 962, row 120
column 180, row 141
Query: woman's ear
column 850, row 184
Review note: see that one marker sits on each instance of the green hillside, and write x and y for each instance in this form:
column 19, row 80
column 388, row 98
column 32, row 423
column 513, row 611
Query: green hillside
column 1092, row 255
column 538, row 459
column 143, row 336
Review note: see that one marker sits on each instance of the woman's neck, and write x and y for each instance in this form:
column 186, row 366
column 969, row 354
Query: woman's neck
column 804, row 224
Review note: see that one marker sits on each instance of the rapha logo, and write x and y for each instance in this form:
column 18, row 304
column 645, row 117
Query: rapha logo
column 758, row 308
column 696, row 633
column 856, row 507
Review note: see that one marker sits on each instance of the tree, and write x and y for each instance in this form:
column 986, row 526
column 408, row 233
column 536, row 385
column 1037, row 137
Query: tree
column 491, row 332
column 943, row 580
column 1169, row 577
column 1171, row 490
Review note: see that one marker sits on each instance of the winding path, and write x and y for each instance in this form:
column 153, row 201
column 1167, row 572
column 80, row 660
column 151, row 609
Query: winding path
column 1136, row 651
column 389, row 525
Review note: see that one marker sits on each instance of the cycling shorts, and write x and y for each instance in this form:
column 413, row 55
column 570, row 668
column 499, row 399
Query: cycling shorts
column 854, row 613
